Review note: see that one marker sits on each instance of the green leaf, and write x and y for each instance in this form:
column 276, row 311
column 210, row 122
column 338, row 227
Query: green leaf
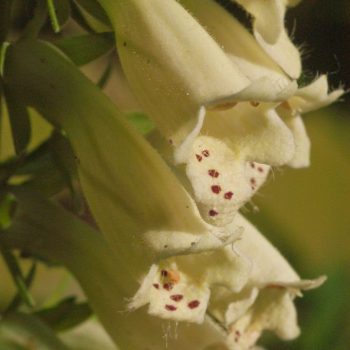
column 65, row 315
column 94, row 9
column 59, row 11
column 83, row 49
column 142, row 123
column 17, row 276
column 19, row 328
column 19, row 120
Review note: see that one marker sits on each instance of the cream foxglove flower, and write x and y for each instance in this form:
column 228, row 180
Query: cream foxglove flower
column 244, row 49
column 178, row 78
column 42, row 228
column 158, row 236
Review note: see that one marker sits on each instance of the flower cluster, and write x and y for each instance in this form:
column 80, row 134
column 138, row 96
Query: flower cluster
column 226, row 108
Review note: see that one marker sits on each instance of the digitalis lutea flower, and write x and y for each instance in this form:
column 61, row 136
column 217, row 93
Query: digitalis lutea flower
column 179, row 79
column 158, row 236
column 246, row 51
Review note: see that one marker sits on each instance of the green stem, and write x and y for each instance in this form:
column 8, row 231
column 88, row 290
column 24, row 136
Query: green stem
column 52, row 13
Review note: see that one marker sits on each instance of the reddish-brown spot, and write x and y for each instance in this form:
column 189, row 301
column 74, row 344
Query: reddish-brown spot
column 228, row 195
column 168, row 286
column 252, row 164
column 213, row 173
column 206, row 153
column 213, row 212
column 199, row 158
column 216, row 189
column 177, row 297
column 156, row 285
column 253, row 181
column 238, row 333
column 164, row 273
column 171, row 141
column 193, row 304
column 260, row 169
column 171, row 307
column 254, row 103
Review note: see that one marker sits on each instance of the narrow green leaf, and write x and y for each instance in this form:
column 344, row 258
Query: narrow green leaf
column 7, row 204
column 83, row 49
column 59, row 12
column 79, row 18
column 19, row 328
column 17, row 300
column 5, row 18
column 94, row 9
column 3, row 49
column 17, row 275
column 65, row 315
column 37, row 21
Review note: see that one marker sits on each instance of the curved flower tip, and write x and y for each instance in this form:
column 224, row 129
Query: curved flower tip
column 306, row 99
column 269, row 82
column 268, row 17
column 314, row 96
column 270, row 33
column 301, row 157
